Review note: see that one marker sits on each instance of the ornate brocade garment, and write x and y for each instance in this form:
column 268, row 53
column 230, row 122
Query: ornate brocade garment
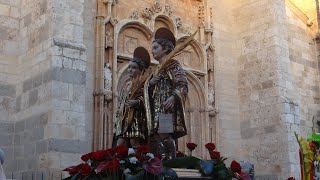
column 137, row 127
column 173, row 81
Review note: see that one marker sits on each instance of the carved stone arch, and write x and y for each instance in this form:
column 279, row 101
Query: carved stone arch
column 193, row 56
column 163, row 20
column 196, row 117
column 134, row 24
column 131, row 34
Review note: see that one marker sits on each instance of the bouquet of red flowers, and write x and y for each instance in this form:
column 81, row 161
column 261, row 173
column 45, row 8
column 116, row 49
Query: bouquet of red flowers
column 116, row 163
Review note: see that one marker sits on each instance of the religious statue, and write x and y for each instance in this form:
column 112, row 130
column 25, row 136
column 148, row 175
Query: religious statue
column 165, row 94
column 107, row 74
column 131, row 124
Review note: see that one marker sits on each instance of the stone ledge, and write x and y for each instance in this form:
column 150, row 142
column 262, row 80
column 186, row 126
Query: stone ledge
column 67, row 44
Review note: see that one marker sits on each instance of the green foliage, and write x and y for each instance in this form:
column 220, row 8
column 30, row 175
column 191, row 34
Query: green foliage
column 189, row 162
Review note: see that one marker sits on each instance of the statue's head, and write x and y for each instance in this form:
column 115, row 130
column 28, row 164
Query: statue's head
column 164, row 38
column 139, row 62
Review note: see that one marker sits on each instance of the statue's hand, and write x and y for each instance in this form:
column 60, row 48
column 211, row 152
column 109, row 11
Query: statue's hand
column 132, row 103
column 154, row 80
column 169, row 104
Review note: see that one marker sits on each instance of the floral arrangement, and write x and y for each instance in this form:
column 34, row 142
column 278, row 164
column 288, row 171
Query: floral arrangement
column 215, row 167
column 128, row 163
column 116, row 163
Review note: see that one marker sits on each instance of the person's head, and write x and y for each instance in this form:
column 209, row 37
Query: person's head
column 163, row 43
column 1, row 156
column 139, row 62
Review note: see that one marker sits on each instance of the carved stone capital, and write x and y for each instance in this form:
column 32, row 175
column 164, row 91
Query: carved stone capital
column 178, row 22
column 212, row 112
column 107, row 96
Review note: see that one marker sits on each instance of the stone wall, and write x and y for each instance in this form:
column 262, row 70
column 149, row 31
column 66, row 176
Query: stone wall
column 45, row 128
column 278, row 85
column 263, row 55
column 9, row 52
column 302, row 84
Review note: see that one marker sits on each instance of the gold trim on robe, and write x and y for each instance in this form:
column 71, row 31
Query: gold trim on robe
column 173, row 81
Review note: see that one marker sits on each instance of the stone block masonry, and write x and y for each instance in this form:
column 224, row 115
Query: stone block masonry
column 55, row 99
column 43, row 64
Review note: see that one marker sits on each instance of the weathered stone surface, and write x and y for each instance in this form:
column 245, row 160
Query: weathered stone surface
column 7, row 90
column 20, row 126
column 6, row 140
column 33, row 97
column 68, row 146
column 18, row 103
column 41, row 146
column 27, row 85
column 7, row 127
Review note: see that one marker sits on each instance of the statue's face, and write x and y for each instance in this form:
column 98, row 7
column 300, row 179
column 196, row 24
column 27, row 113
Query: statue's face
column 133, row 69
column 157, row 51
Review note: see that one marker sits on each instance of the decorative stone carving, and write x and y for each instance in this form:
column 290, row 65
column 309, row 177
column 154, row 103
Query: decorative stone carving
column 211, row 107
column 210, row 59
column 147, row 13
column 187, row 30
column 107, row 82
column 134, row 15
column 168, row 10
column 130, row 43
column 107, row 78
column 201, row 16
column 178, row 22
column 211, row 94
column 109, row 37
column 211, row 16
column 157, row 7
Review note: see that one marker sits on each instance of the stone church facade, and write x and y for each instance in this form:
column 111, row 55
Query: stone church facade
column 252, row 71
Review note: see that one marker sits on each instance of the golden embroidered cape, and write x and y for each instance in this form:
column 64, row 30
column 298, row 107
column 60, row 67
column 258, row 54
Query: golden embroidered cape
column 137, row 128
column 173, row 81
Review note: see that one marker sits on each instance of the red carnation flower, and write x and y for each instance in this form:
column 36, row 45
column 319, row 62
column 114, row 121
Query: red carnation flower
column 143, row 149
column 210, row 146
column 235, row 167
column 109, row 152
column 291, row 178
column 121, row 151
column 113, row 165
column 214, row 155
column 191, row 146
column 86, row 157
column 73, row 169
column 85, row 169
column 98, row 155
